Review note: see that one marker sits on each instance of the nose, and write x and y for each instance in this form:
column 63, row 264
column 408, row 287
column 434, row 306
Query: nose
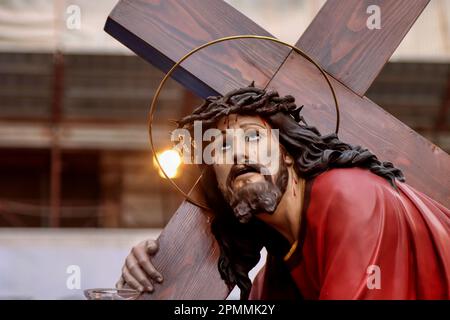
column 241, row 155
column 240, row 152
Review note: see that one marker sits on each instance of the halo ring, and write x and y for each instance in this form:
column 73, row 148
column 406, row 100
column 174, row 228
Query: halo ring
column 190, row 53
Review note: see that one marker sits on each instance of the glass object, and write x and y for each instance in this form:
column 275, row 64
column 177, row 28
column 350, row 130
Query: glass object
column 111, row 294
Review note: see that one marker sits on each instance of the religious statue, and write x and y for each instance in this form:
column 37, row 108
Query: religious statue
column 337, row 222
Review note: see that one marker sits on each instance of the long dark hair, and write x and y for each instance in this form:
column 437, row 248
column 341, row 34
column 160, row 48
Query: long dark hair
column 313, row 153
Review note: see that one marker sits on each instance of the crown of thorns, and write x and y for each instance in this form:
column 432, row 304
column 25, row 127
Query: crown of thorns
column 247, row 101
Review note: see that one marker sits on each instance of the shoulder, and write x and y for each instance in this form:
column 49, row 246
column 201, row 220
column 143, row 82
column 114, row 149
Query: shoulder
column 347, row 218
column 349, row 194
column 349, row 183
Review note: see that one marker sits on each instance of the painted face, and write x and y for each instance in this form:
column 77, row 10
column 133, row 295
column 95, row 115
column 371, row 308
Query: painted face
column 255, row 176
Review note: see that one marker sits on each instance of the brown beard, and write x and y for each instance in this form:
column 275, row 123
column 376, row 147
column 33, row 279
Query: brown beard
column 258, row 197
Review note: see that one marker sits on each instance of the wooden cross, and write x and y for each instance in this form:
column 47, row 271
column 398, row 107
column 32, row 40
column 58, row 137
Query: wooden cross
column 162, row 31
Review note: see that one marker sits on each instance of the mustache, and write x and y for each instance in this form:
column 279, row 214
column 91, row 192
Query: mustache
column 239, row 169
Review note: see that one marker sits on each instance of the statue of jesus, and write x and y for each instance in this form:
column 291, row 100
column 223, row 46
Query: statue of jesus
column 337, row 222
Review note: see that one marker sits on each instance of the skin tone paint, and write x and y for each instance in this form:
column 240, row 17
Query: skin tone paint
column 287, row 216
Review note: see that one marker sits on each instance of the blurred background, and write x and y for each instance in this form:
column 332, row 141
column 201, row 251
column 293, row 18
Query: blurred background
column 78, row 186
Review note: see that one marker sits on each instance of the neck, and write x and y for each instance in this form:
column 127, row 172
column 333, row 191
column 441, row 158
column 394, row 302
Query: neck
column 287, row 217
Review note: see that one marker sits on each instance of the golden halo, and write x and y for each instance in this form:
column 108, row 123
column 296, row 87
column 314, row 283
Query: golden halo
column 190, row 53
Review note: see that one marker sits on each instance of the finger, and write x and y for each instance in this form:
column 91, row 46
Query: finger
column 120, row 283
column 152, row 246
column 144, row 261
column 130, row 280
column 135, row 270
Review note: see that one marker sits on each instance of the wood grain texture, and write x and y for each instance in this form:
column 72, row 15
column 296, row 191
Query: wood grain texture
column 426, row 166
column 339, row 40
column 189, row 258
column 162, row 32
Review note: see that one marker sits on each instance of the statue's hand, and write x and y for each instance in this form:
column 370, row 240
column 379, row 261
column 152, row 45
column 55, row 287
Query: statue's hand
column 138, row 271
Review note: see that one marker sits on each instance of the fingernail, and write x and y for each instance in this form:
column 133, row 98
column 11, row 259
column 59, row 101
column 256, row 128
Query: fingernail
column 140, row 289
column 150, row 289
column 160, row 279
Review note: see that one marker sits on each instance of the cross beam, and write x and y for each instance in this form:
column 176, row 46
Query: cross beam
column 163, row 31
column 339, row 39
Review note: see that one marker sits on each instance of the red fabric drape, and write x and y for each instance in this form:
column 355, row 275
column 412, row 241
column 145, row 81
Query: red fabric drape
column 356, row 224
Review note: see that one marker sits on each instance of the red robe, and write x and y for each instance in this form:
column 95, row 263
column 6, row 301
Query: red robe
column 354, row 220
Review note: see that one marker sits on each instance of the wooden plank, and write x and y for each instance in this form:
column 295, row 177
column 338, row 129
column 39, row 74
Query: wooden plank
column 189, row 258
column 425, row 165
column 161, row 32
column 340, row 41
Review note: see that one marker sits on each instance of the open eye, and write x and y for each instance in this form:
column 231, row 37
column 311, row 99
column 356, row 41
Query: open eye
column 252, row 135
column 226, row 145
